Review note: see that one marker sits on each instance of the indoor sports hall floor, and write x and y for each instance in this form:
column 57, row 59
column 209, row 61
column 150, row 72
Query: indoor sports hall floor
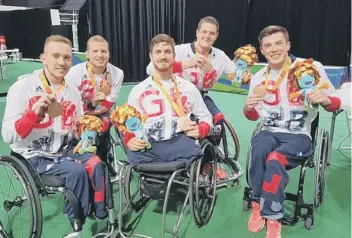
column 332, row 219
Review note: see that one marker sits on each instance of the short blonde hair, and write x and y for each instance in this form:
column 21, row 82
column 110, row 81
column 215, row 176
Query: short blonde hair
column 96, row 38
column 57, row 38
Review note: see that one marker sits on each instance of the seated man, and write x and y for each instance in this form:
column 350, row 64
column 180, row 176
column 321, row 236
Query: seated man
column 99, row 84
column 202, row 64
column 40, row 125
column 167, row 100
column 284, row 141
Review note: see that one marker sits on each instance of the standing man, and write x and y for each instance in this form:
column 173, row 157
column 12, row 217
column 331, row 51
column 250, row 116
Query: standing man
column 99, row 84
column 284, row 142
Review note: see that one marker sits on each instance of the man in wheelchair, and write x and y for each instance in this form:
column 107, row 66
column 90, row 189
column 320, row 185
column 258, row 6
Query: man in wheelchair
column 167, row 101
column 284, row 141
column 202, row 64
column 39, row 123
column 99, row 84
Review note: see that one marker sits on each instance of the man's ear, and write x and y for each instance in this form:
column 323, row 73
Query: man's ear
column 42, row 57
column 288, row 46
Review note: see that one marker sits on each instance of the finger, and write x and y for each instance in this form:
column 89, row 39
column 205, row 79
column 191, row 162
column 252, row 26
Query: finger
column 44, row 106
column 255, row 100
column 314, row 97
column 46, row 102
column 139, row 143
column 254, row 103
column 317, row 100
column 311, row 94
column 254, row 95
column 51, row 97
column 199, row 56
column 200, row 62
column 191, row 128
column 193, row 133
column 192, row 123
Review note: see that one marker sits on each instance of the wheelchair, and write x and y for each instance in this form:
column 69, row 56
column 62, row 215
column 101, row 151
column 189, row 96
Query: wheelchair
column 321, row 144
column 154, row 181
column 34, row 187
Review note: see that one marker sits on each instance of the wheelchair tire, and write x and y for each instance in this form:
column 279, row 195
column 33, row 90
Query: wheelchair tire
column 320, row 160
column 249, row 152
column 134, row 203
column 31, row 191
column 199, row 187
column 225, row 145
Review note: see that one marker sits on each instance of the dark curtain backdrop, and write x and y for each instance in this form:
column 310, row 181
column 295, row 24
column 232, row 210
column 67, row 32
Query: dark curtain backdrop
column 232, row 18
column 26, row 30
column 129, row 25
column 320, row 29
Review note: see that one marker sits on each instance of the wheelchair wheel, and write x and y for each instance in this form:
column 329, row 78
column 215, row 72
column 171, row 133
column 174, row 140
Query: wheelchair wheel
column 321, row 154
column 231, row 154
column 26, row 203
column 203, row 186
column 249, row 153
column 131, row 195
column 228, row 153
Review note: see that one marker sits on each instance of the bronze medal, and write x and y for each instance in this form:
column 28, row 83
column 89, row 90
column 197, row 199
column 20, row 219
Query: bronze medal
column 55, row 109
column 260, row 91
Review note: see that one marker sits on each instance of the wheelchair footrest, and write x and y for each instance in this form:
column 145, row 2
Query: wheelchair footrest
column 289, row 221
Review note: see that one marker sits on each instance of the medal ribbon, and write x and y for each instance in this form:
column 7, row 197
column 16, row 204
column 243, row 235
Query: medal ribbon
column 92, row 79
column 46, row 85
column 281, row 77
column 178, row 108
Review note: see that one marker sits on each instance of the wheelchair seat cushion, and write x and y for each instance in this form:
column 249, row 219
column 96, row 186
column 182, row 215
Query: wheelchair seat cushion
column 178, row 148
column 162, row 166
column 53, row 181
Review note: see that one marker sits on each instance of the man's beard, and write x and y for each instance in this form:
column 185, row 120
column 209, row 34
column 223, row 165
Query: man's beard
column 163, row 69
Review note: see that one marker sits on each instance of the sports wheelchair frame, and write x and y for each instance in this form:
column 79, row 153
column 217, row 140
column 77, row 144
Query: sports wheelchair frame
column 321, row 152
column 155, row 182
column 34, row 186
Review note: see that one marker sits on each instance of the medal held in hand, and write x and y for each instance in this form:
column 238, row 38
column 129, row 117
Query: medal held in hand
column 55, row 109
column 105, row 88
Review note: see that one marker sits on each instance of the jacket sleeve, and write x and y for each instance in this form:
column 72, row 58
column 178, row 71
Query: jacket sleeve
column 200, row 110
column 19, row 120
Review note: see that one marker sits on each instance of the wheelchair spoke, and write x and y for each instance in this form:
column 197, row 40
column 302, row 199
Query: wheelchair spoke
column 13, row 204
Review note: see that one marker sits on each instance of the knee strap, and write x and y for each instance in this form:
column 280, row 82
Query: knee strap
column 277, row 156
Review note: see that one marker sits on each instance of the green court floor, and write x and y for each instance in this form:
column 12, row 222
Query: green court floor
column 332, row 219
